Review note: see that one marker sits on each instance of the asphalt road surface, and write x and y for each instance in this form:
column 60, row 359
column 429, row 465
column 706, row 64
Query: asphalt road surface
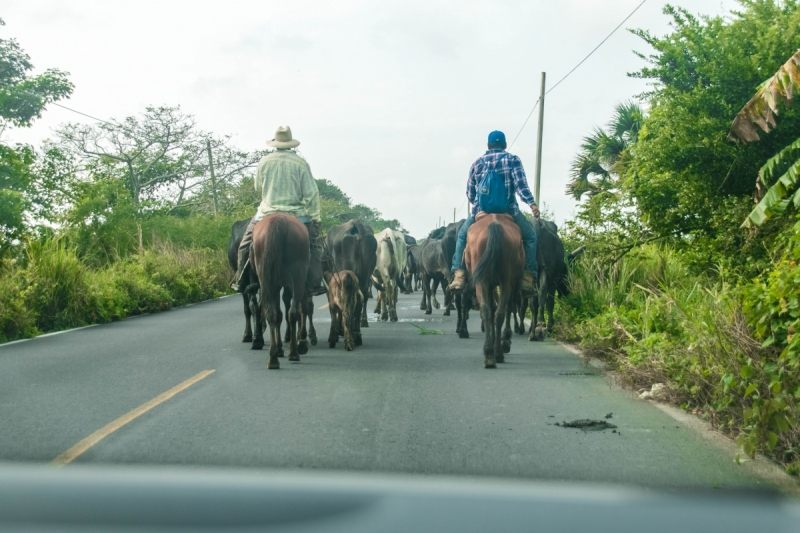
column 404, row 402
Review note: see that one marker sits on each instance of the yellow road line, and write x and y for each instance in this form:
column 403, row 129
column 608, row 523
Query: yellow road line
column 75, row 452
column 323, row 306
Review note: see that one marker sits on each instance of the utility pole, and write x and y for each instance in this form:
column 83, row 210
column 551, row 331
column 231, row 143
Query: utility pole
column 537, row 183
column 213, row 177
column 454, row 215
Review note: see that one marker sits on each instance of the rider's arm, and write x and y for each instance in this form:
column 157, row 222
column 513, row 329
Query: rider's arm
column 472, row 185
column 310, row 194
column 521, row 182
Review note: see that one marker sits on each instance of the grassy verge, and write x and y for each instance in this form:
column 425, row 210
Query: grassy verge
column 723, row 349
column 55, row 289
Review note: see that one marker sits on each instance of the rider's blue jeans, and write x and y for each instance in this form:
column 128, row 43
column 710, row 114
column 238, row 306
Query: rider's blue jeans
column 528, row 243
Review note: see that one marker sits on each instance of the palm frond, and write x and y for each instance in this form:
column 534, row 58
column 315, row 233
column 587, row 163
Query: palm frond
column 762, row 109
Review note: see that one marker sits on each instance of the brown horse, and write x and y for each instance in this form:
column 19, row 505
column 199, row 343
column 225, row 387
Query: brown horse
column 280, row 255
column 495, row 259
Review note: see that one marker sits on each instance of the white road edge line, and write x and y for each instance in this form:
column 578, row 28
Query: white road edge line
column 760, row 467
column 4, row 344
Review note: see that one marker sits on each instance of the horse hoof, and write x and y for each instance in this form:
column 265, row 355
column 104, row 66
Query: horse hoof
column 331, row 345
column 463, row 334
column 385, row 317
column 423, row 307
column 302, row 348
column 247, row 338
column 359, row 342
column 501, row 358
column 273, row 364
column 436, row 305
column 294, row 357
column 506, row 347
column 257, row 344
column 447, row 313
column 428, row 312
column 489, row 363
column 364, row 324
column 313, row 340
column 349, row 347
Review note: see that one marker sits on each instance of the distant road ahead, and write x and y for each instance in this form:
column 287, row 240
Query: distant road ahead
column 404, row 402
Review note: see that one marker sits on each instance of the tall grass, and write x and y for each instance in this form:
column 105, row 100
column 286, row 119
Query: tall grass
column 54, row 288
column 654, row 322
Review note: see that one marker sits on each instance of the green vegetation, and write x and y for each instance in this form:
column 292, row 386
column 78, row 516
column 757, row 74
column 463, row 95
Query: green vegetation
column 118, row 218
column 672, row 289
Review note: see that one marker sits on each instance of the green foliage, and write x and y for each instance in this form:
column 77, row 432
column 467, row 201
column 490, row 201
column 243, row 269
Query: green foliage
column 56, row 289
column 23, row 97
column 15, row 181
column 654, row 322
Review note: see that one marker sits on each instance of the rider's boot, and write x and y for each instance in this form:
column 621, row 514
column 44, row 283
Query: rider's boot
column 314, row 285
column 243, row 261
column 459, row 281
column 528, row 285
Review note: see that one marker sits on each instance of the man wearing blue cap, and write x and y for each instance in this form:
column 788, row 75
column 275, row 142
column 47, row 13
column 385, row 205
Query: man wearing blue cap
column 510, row 168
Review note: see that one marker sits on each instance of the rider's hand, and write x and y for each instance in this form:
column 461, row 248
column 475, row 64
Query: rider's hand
column 535, row 210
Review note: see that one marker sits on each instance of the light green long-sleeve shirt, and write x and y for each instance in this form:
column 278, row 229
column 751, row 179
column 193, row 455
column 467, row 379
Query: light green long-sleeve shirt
column 286, row 185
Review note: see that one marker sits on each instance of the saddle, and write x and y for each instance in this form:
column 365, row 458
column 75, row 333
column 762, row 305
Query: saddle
column 481, row 215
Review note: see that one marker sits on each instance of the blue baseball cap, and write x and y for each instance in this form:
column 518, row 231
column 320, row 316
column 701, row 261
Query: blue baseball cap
column 497, row 137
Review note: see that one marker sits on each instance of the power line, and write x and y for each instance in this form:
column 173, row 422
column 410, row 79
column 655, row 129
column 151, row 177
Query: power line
column 578, row 65
column 84, row 114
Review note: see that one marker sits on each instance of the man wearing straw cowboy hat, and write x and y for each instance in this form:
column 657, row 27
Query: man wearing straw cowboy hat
column 286, row 185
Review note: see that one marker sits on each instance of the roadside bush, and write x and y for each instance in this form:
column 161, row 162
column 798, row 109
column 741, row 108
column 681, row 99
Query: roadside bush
column 653, row 322
column 56, row 289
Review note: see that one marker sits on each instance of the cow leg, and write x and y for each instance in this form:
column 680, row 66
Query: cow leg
column 308, row 303
column 462, row 307
column 378, row 300
column 294, row 318
column 256, row 310
column 356, row 313
column 333, row 336
column 365, row 294
column 551, row 302
column 426, row 294
column 248, row 330
column 448, row 300
column 433, row 293
column 395, row 292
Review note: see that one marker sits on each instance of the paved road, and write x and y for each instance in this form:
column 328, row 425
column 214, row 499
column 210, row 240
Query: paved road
column 404, row 402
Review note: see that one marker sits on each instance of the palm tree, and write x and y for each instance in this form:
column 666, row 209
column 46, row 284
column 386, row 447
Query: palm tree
column 781, row 173
column 605, row 153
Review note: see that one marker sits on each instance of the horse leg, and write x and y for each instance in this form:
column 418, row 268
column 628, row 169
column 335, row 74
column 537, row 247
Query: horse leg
column 488, row 306
column 448, row 300
column 505, row 310
column 293, row 319
column 523, row 310
column 274, row 319
column 541, row 304
column 248, row 330
column 500, row 315
column 306, row 310
column 287, row 302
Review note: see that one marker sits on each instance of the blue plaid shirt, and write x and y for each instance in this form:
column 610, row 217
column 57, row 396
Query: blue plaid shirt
column 510, row 167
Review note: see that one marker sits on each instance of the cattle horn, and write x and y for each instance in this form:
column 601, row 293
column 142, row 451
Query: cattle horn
column 377, row 283
column 575, row 253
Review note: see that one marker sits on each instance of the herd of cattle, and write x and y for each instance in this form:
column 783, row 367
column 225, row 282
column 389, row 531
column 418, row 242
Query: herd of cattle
column 356, row 260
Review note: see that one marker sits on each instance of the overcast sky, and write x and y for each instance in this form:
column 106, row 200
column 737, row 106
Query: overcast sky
column 391, row 100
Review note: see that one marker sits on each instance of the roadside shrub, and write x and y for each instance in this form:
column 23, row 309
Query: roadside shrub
column 17, row 319
column 703, row 337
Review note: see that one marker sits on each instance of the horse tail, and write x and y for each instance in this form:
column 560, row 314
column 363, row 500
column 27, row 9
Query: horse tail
column 274, row 253
column 489, row 268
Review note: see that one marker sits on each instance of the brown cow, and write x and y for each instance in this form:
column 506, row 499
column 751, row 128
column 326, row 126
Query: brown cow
column 345, row 302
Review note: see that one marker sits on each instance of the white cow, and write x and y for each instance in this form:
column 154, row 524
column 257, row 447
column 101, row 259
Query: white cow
column 392, row 258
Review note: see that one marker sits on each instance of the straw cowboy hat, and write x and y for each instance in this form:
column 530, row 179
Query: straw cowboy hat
column 283, row 139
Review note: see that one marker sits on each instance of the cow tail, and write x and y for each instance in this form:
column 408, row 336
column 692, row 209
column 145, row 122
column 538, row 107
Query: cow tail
column 489, row 268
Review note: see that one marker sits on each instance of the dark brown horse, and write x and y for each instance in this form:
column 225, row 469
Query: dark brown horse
column 280, row 255
column 495, row 259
